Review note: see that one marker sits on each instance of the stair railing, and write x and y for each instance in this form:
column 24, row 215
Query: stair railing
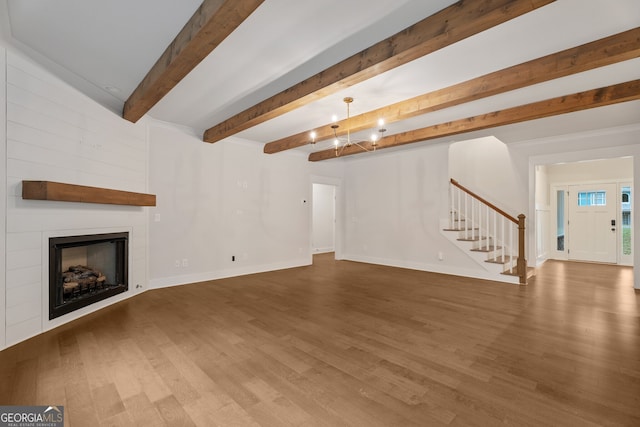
column 494, row 226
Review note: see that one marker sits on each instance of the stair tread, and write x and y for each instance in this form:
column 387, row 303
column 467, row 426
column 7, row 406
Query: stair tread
column 486, row 249
column 484, row 244
column 471, row 239
column 500, row 260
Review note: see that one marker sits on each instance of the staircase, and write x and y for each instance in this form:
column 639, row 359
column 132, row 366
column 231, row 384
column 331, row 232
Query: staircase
column 493, row 238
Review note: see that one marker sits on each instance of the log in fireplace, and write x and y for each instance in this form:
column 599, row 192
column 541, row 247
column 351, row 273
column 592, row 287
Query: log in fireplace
column 86, row 269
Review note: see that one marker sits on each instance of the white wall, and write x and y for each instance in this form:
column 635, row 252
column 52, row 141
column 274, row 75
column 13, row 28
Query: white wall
column 488, row 167
column 226, row 199
column 395, row 202
column 3, row 192
column 55, row 133
column 323, row 218
column 601, row 170
column 543, row 214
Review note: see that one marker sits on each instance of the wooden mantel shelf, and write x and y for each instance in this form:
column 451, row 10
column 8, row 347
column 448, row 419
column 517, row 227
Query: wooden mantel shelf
column 57, row 191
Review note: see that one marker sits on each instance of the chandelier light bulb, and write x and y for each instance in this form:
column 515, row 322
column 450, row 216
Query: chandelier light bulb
column 344, row 140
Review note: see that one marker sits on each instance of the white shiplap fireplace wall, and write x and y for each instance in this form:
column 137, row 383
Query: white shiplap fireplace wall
column 55, row 133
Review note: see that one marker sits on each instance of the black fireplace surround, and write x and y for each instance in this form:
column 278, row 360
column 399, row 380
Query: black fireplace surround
column 86, row 269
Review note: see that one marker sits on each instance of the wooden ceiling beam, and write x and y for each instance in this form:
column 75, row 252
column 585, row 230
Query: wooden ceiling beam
column 601, row 97
column 208, row 27
column 606, row 51
column 450, row 25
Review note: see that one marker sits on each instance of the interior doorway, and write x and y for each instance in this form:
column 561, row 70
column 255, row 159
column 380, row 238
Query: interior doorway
column 587, row 210
column 323, row 236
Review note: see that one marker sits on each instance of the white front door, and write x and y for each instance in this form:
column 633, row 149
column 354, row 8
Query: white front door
column 593, row 222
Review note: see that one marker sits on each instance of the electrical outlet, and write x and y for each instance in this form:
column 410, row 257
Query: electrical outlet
column 185, row 262
column 177, row 263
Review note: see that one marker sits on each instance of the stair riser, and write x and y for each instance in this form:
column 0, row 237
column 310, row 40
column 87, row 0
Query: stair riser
column 494, row 269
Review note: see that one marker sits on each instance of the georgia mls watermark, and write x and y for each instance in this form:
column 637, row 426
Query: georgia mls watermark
column 31, row 416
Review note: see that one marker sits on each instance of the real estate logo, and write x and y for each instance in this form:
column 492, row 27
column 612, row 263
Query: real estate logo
column 31, row 416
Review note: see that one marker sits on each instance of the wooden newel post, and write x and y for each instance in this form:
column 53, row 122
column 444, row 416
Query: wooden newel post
column 522, row 262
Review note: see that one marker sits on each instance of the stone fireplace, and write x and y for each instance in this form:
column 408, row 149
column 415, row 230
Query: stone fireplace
column 86, row 269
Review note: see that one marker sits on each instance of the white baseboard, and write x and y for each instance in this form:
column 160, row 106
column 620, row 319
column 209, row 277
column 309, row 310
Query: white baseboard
column 433, row 268
column 185, row 279
column 323, row 250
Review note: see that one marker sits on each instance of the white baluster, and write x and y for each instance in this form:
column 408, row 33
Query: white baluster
column 495, row 229
column 490, row 236
column 473, row 217
column 502, row 238
column 451, row 206
column 511, row 247
column 466, row 215
column 459, row 212
column 480, row 224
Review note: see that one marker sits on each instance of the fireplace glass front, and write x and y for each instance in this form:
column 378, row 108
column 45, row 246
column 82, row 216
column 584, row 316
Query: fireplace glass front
column 86, row 269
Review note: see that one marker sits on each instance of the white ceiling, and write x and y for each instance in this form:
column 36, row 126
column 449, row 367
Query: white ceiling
column 104, row 48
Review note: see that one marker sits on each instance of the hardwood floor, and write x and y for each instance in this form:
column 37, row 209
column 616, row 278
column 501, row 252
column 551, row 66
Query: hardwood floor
column 343, row 343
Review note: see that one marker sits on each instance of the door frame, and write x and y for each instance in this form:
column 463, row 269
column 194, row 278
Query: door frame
column 622, row 142
column 338, row 207
column 622, row 258
column 332, row 220
column 554, row 253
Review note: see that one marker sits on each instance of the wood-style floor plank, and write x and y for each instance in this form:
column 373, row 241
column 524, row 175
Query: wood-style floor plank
column 345, row 343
